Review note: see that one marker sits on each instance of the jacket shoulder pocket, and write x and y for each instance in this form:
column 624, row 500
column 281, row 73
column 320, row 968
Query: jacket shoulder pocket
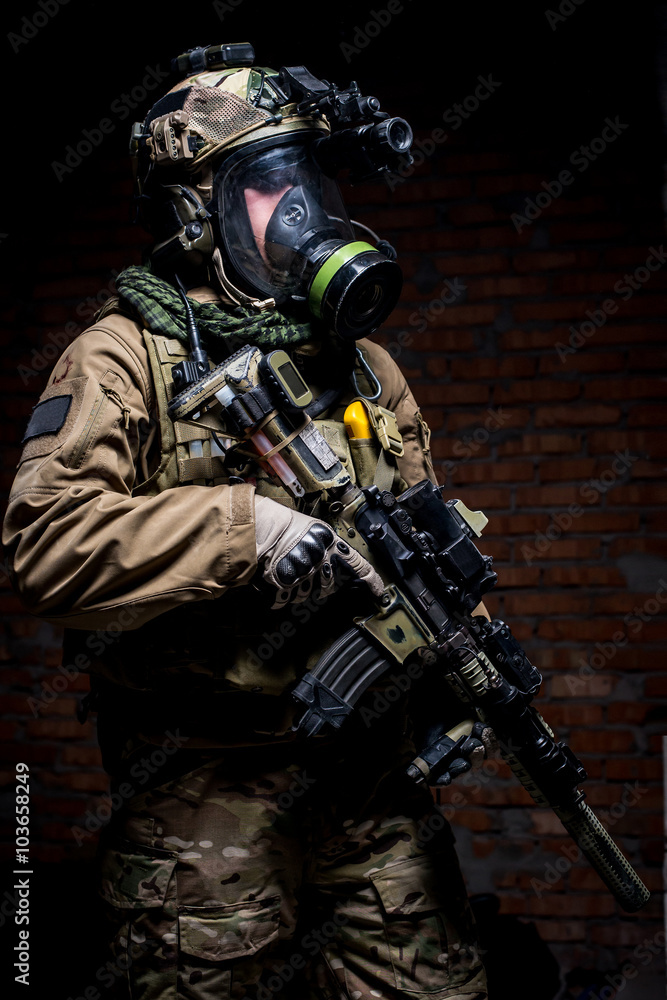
column 97, row 426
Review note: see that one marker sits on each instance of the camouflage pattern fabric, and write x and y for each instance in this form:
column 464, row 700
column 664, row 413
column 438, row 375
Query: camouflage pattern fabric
column 161, row 309
column 290, row 872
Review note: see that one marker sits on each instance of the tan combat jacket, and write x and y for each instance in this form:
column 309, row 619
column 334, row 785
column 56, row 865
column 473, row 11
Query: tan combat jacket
column 92, row 551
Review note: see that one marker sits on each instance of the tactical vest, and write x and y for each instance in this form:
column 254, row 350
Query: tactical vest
column 221, row 671
column 367, row 461
column 251, row 664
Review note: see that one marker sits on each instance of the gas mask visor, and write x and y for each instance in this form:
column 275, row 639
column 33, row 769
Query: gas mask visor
column 287, row 236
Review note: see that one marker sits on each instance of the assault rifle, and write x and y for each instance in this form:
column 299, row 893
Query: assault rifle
column 422, row 546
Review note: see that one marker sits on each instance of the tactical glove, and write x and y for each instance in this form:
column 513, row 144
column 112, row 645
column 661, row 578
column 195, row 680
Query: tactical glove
column 296, row 553
column 479, row 745
column 447, row 743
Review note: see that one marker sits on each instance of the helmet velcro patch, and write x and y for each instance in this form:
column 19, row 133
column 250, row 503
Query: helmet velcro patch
column 172, row 101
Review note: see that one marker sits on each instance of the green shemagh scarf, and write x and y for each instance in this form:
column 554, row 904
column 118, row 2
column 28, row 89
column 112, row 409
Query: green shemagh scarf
column 162, row 310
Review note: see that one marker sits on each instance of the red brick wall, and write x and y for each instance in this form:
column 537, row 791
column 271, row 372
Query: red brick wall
column 563, row 448
column 519, row 431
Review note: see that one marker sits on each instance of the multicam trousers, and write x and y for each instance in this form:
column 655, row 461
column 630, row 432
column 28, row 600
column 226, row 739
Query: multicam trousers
column 283, row 874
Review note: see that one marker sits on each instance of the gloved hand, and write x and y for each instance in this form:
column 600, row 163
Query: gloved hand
column 296, row 553
column 476, row 748
column 447, row 743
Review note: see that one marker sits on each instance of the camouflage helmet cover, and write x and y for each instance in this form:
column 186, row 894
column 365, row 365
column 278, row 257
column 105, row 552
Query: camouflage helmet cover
column 214, row 112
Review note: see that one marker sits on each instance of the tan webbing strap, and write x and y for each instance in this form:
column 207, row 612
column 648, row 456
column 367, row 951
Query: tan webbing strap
column 205, row 467
column 288, row 440
column 186, row 432
column 384, row 472
column 166, row 475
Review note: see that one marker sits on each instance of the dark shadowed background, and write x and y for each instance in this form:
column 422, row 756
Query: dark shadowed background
column 531, row 329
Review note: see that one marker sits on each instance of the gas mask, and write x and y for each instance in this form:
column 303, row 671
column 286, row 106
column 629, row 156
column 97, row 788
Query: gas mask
column 285, row 234
column 236, row 173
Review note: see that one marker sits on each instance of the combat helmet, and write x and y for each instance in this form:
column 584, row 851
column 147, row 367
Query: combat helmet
column 236, row 171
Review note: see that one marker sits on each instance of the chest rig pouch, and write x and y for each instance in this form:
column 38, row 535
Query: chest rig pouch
column 375, row 443
column 189, row 454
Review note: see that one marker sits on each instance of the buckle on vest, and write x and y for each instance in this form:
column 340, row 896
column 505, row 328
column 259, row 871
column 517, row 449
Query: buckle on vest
column 386, row 428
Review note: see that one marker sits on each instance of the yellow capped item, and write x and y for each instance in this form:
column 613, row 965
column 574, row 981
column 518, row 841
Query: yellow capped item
column 356, row 421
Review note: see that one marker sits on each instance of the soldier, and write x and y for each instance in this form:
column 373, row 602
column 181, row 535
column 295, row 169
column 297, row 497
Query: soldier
column 240, row 861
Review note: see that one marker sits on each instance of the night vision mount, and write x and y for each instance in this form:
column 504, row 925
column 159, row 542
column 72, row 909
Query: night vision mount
column 364, row 140
column 318, row 97
column 373, row 145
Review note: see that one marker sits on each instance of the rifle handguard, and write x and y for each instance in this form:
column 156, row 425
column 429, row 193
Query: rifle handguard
column 617, row 874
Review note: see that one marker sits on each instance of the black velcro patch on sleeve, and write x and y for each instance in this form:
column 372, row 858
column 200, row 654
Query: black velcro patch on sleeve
column 47, row 417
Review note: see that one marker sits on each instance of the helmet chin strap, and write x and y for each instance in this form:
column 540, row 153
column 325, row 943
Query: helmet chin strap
column 238, row 297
